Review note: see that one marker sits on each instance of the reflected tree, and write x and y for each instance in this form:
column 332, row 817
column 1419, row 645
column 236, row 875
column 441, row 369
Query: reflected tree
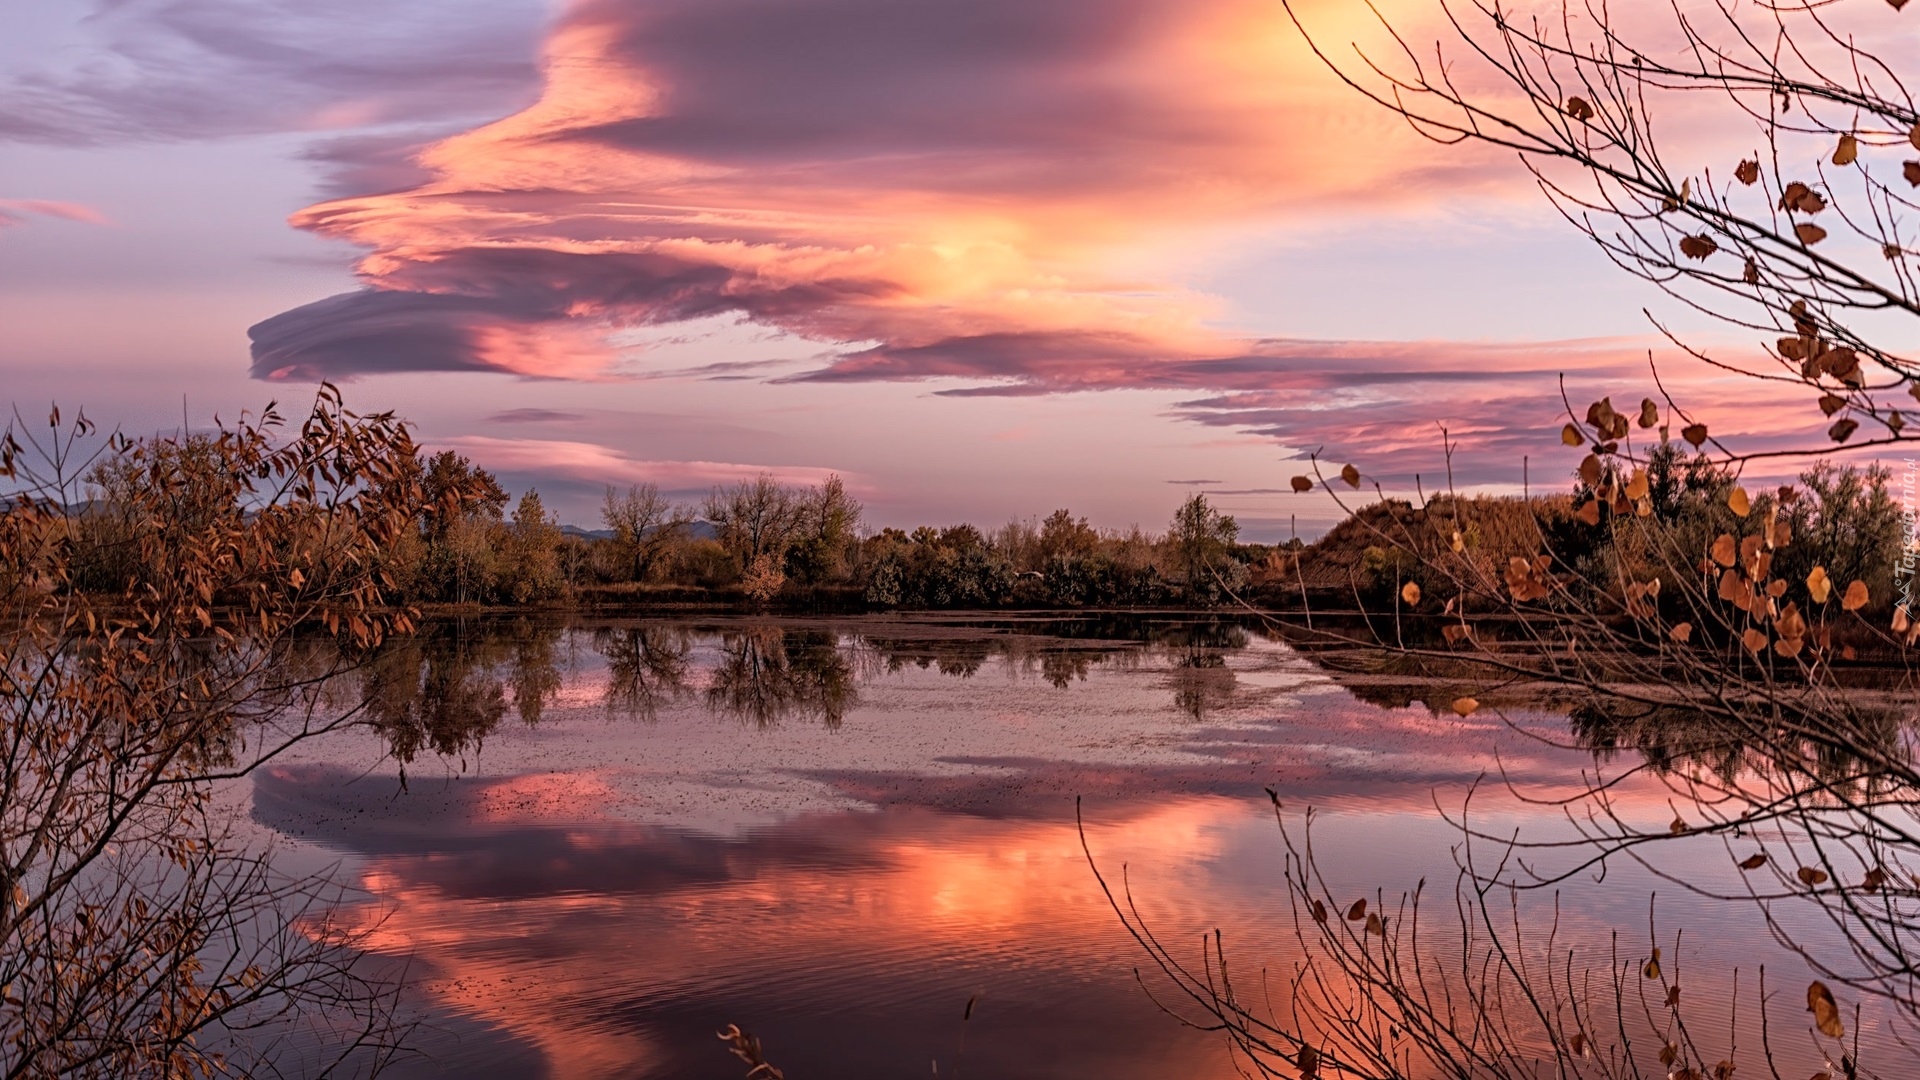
column 769, row 673
column 646, row 666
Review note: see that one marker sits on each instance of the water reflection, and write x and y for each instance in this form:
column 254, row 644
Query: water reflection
column 646, row 666
column 883, row 827
column 767, row 674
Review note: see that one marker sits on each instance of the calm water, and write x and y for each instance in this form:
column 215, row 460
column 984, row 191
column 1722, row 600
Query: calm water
column 614, row 838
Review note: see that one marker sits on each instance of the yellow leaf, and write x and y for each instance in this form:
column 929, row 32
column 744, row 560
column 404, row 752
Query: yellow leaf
column 1856, row 597
column 1637, row 485
column 1819, row 584
column 1465, row 706
column 1570, row 435
column 1737, row 502
column 1847, row 151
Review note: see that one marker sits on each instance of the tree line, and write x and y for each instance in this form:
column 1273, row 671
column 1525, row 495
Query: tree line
column 762, row 541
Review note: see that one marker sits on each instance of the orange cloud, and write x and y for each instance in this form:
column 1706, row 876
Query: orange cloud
column 852, row 172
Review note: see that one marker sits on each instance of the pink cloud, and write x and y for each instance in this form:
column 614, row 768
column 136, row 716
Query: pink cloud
column 596, row 464
column 15, row 211
column 931, row 178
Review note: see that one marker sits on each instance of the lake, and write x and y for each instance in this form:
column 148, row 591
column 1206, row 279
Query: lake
column 595, row 842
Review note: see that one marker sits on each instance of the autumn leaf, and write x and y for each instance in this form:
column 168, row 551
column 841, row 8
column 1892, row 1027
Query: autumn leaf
column 1579, row 109
column 1819, row 584
column 1571, row 436
column 1649, row 413
column 1856, row 597
column 1358, row 911
column 1842, row 429
column 1875, row 880
column 1681, row 632
column 1455, row 633
column 1811, row 877
column 1590, row 470
column 1695, row 434
column 1754, row 640
column 1465, row 706
column 1319, row 912
column 1410, row 592
column 1825, row 1010
column 1351, row 475
column 1375, row 926
column 1832, row 403
column 1809, row 233
column 1301, row 483
column 1637, row 484
column 1754, row 862
column 1697, row 247
column 1747, row 172
column 1589, row 512
column 1738, row 502
column 1723, row 550
column 1651, row 969
column 1678, row 826
column 1848, row 150
column 1911, row 170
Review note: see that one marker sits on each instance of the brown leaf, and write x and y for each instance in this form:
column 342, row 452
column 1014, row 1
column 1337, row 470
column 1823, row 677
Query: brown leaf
column 1738, row 502
column 1649, row 413
column 1308, row 1062
column 1809, row 233
column 1750, row 273
column 1637, row 484
column 1579, row 109
column 1455, row 633
column 1301, row 483
column 1819, row 584
column 1358, row 911
column 1351, row 475
column 1842, row 429
column 1825, row 1010
column 1747, row 172
column 1875, row 880
column 1791, row 195
column 1856, row 597
column 1848, row 150
column 1465, row 706
column 1913, row 136
column 1375, row 926
column 1590, row 470
column 1319, row 912
column 1651, row 969
column 1571, row 436
column 1681, row 632
column 1754, row 640
column 1789, row 647
column 1723, row 550
column 1678, row 826
column 1811, row 877
column 1832, row 403
column 1695, row 434
column 1911, row 170
column 1754, row 862
column 1697, row 247
column 1410, row 592
column 1589, row 512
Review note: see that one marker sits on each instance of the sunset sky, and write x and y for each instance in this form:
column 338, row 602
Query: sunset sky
column 983, row 258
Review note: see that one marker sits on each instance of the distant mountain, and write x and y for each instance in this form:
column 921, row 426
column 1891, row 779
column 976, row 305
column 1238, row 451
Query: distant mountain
column 698, row 530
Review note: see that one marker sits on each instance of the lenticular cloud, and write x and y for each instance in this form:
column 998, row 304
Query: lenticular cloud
column 920, row 184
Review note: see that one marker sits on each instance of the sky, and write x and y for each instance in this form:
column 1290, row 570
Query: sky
column 981, row 258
